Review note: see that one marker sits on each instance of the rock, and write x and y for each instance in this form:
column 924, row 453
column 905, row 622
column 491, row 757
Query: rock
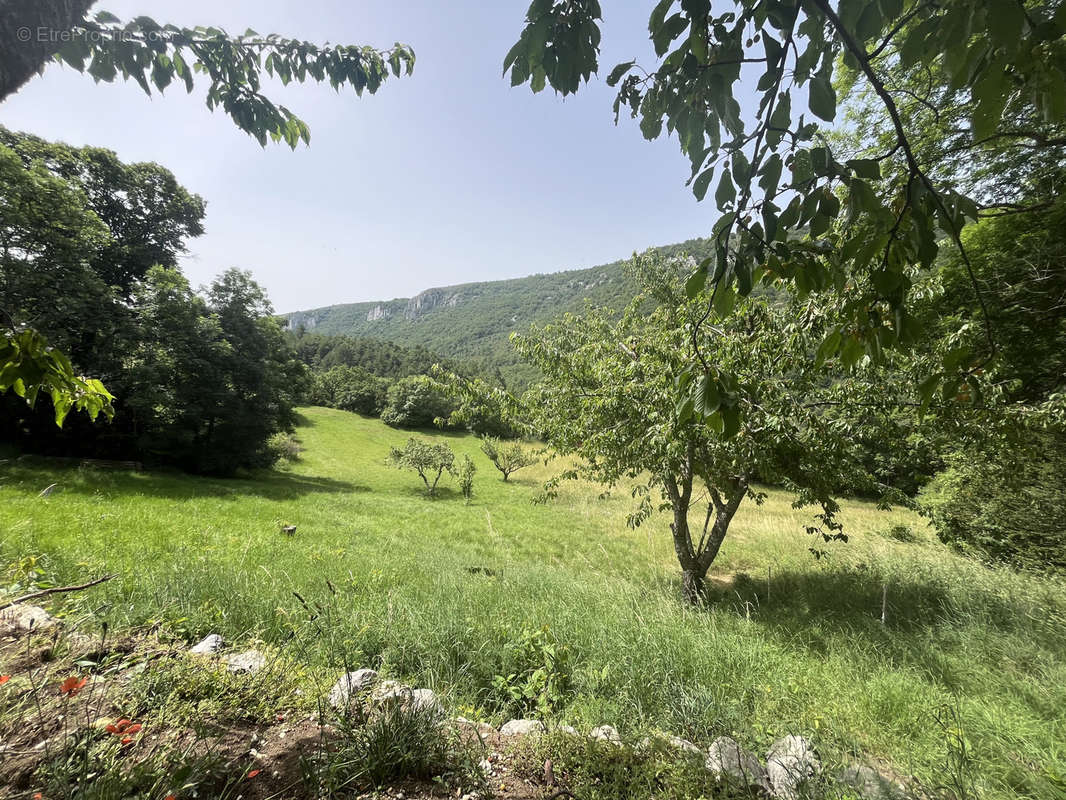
column 871, row 784
column 245, row 663
column 790, row 762
column 569, row 730
column 522, row 727
column 732, row 763
column 394, row 694
column 289, row 530
column 351, row 683
column 684, row 745
column 211, row 643
column 21, row 618
column 606, row 733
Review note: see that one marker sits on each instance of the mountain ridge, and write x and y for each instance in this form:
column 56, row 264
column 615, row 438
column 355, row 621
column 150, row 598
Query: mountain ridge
column 473, row 321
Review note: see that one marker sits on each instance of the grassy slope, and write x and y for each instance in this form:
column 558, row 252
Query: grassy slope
column 812, row 657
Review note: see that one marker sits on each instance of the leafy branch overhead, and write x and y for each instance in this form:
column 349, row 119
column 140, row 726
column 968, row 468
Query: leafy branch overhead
column 155, row 55
column 795, row 204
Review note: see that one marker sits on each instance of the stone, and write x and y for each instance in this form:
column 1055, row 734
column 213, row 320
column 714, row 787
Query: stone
column 871, row 784
column 732, row 763
column 607, row 734
column 349, row 684
column 395, row 694
column 684, row 745
column 569, row 730
column 20, row 619
column 790, row 762
column 246, row 663
column 522, row 727
column 211, row 643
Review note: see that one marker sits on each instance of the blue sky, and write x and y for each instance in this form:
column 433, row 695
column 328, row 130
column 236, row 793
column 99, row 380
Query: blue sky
column 444, row 177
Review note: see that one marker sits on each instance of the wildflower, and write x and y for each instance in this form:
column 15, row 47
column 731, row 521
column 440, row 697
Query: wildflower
column 253, row 773
column 4, row 679
column 38, row 796
column 127, row 740
column 135, row 728
column 71, row 686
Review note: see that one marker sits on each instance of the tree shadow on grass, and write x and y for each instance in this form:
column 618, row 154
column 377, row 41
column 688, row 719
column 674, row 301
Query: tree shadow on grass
column 929, row 624
column 172, row 484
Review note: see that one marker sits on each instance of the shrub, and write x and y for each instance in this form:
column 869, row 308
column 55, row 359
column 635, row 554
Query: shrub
column 537, row 678
column 507, row 458
column 465, row 476
column 415, row 402
column 284, row 447
column 427, row 459
column 350, row 389
column 1006, row 505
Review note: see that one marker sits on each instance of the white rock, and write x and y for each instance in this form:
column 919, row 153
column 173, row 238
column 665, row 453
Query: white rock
column 606, row 733
column 684, row 745
column 388, row 692
column 248, row 662
column 395, row 694
column 211, row 643
column 732, row 763
column 790, row 762
column 349, row 684
column 569, row 730
column 522, row 727
column 426, row 700
column 21, row 618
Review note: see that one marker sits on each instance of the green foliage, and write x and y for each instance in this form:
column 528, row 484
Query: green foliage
column 506, row 457
column 429, row 460
column 537, row 675
column 464, row 474
column 843, row 220
column 28, row 366
column 700, row 410
column 284, row 447
column 1005, row 504
column 155, row 55
column 349, row 389
column 416, row 402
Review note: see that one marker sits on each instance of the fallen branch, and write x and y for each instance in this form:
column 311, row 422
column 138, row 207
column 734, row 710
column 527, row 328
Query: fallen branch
column 55, row 590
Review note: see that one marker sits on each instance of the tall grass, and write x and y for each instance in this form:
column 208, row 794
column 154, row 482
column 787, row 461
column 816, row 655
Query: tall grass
column 434, row 591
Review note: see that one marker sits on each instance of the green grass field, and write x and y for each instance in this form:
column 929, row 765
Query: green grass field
column 790, row 644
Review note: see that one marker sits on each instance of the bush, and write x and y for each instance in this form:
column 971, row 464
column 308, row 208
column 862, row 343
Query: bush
column 284, row 447
column 537, row 677
column 415, row 402
column 465, row 476
column 350, row 389
column 1006, row 505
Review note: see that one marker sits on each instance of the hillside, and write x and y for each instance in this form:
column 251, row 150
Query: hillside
column 449, row 595
column 473, row 321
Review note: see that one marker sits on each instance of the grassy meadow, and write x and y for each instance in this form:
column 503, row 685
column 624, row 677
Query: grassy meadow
column 970, row 666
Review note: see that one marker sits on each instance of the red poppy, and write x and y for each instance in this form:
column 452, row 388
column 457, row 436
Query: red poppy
column 135, row 728
column 38, row 796
column 127, row 740
column 170, row 797
column 71, row 686
column 253, row 773
column 4, row 679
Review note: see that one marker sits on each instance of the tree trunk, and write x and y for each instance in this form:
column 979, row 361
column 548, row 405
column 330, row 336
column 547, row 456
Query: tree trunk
column 692, row 586
column 31, row 33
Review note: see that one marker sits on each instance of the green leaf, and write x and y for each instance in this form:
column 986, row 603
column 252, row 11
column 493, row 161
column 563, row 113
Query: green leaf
column 618, row 72
column 869, row 168
column 699, row 186
column 707, row 397
column 725, row 193
column 823, row 98
column 697, row 280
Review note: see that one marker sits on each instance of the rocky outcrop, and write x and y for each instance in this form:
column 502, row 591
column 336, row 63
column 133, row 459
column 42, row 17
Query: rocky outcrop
column 790, row 762
column 351, row 685
column 731, row 763
column 22, row 618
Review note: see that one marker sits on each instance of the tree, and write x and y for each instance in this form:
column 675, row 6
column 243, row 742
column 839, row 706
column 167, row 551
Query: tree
column 416, row 402
column 779, row 182
column 507, row 458
column 427, row 459
column 610, row 397
column 35, row 32
column 350, row 389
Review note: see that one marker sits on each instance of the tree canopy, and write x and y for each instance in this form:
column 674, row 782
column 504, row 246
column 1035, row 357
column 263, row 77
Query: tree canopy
column 793, row 206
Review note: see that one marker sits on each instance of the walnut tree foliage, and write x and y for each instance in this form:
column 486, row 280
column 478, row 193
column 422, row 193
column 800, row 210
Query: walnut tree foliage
column 794, row 206
column 697, row 410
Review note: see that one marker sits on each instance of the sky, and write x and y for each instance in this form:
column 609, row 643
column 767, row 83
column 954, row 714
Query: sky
column 444, row 177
